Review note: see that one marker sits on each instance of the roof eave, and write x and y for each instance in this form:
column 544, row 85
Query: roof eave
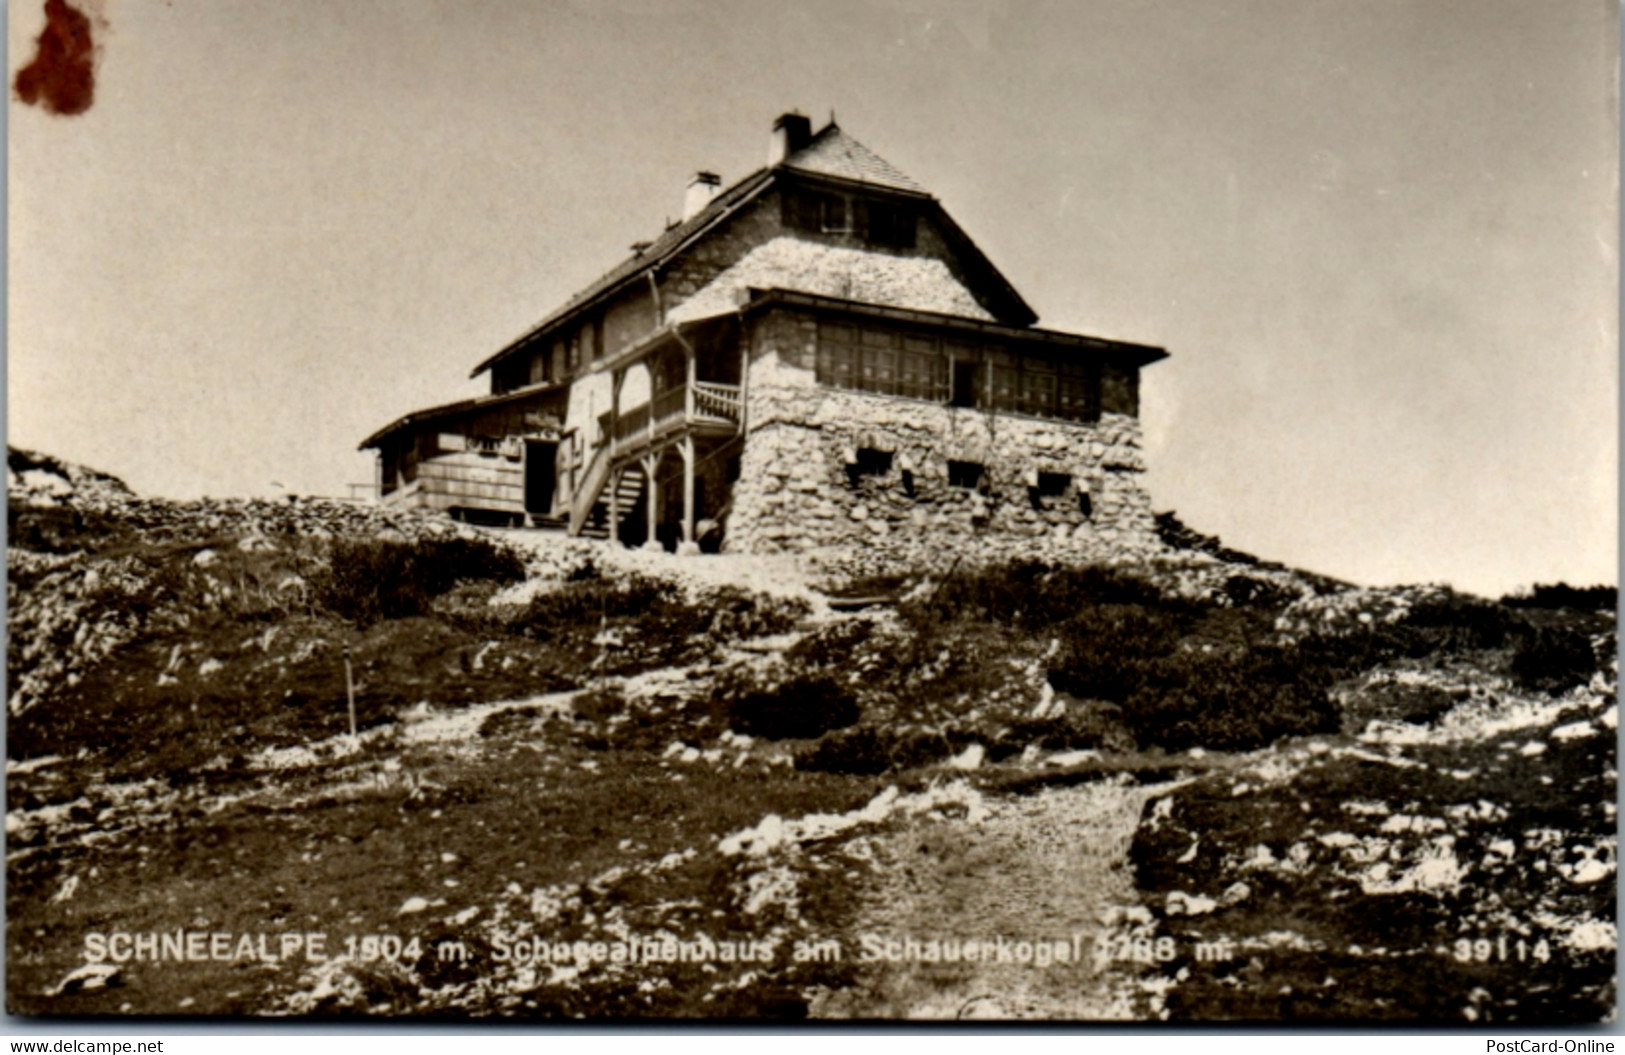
column 461, row 406
column 850, row 183
column 1022, row 310
column 744, row 195
column 1122, row 351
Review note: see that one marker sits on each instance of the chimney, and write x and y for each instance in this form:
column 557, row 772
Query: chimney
column 701, row 189
column 791, row 132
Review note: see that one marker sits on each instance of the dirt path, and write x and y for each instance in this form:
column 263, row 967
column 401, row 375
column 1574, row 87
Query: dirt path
column 1045, row 867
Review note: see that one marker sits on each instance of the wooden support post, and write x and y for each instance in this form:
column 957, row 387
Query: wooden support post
column 744, row 372
column 690, row 380
column 616, row 379
column 349, row 692
column 651, row 462
column 688, row 489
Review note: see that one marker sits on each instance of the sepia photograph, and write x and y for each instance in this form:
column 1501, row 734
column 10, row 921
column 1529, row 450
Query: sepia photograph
column 559, row 511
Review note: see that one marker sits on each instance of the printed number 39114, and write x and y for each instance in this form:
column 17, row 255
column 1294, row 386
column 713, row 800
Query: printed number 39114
column 1483, row 950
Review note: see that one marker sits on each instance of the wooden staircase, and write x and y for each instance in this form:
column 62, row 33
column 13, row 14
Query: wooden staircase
column 629, row 496
column 637, row 437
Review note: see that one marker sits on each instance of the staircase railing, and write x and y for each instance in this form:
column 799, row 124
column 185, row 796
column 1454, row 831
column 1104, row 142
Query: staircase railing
column 592, row 485
column 631, row 423
column 640, row 426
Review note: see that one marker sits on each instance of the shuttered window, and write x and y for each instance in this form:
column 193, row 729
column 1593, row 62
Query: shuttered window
column 897, row 362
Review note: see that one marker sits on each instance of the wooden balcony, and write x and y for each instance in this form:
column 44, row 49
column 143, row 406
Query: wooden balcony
column 674, row 418
column 703, row 408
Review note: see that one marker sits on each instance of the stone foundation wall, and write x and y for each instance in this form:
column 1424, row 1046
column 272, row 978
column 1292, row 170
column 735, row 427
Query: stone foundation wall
column 801, row 489
column 800, row 486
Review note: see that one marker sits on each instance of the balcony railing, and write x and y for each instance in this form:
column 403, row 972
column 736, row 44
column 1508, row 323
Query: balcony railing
column 642, row 425
column 716, row 402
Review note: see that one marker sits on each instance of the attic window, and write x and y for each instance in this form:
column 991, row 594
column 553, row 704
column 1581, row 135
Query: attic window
column 812, row 211
column 965, row 475
column 832, row 214
column 889, row 225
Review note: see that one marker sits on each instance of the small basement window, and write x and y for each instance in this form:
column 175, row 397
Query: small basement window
column 1053, row 485
column 965, row 475
column 872, row 462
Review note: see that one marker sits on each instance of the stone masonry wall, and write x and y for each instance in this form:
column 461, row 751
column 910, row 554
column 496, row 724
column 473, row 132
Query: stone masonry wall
column 800, row 490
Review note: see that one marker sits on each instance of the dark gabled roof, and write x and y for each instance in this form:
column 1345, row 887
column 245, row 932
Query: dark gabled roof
column 451, row 410
column 658, row 251
column 834, row 153
column 830, row 154
column 1122, row 351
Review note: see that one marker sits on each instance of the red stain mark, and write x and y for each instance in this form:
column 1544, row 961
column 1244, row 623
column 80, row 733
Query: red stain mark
column 62, row 77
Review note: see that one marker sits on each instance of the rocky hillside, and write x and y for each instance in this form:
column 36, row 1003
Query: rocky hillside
column 592, row 782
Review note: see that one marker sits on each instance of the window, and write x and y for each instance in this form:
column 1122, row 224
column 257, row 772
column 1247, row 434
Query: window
column 800, row 211
column 873, row 462
column 1006, row 382
column 965, row 475
column 1078, row 392
column 1044, row 388
column 832, row 214
column 879, row 364
column 902, row 362
column 967, row 382
column 1052, row 485
column 838, row 355
column 813, row 211
column 1086, row 503
column 876, row 359
column 1037, row 389
column 924, row 369
column 867, row 461
column 888, row 224
column 538, row 368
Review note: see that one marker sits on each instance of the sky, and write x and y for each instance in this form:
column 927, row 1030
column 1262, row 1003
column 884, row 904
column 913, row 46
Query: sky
column 1379, row 238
